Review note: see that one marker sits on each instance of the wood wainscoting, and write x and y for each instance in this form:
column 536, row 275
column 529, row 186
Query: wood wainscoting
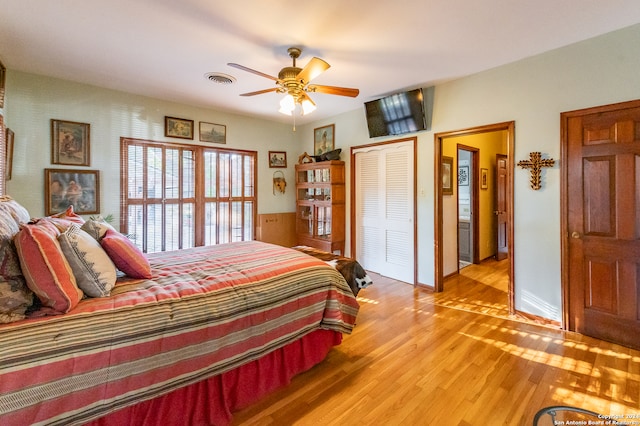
column 277, row 228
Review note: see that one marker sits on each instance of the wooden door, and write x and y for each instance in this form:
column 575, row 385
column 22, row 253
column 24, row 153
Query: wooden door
column 602, row 238
column 502, row 229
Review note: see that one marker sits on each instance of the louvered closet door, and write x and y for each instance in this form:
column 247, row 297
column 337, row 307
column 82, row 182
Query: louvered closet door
column 384, row 210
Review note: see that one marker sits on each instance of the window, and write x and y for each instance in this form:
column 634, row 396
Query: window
column 229, row 196
column 177, row 196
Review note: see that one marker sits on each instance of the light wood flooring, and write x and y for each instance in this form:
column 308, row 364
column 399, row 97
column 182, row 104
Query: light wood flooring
column 452, row 358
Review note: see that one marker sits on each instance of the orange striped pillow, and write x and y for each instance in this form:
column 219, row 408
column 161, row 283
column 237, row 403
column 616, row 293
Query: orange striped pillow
column 127, row 256
column 69, row 214
column 45, row 268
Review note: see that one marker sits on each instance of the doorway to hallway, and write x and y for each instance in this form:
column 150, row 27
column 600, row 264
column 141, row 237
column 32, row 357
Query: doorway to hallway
column 447, row 205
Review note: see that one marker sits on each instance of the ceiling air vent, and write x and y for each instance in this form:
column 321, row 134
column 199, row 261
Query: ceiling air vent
column 219, row 78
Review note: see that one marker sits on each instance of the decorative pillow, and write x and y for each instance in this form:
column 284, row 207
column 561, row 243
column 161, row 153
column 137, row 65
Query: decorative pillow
column 97, row 228
column 126, row 255
column 15, row 296
column 61, row 224
column 69, row 214
column 95, row 273
column 17, row 211
column 45, row 268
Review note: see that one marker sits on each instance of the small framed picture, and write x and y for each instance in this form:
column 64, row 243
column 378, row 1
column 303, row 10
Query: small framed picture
column 9, row 152
column 178, row 128
column 77, row 188
column 210, row 132
column 3, row 72
column 484, row 179
column 70, row 143
column 463, row 176
column 323, row 139
column 277, row 159
column 447, row 176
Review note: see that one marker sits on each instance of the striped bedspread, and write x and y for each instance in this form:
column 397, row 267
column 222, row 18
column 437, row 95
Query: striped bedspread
column 205, row 311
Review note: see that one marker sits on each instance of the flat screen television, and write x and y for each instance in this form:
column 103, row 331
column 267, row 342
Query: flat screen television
column 398, row 114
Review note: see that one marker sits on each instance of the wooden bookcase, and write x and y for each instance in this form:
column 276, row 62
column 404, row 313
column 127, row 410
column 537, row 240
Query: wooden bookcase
column 320, row 205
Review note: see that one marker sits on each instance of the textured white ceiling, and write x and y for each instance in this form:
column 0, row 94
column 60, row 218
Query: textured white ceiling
column 163, row 48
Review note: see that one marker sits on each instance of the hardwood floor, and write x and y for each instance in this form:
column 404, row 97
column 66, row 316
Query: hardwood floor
column 478, row 288
column 417, row 358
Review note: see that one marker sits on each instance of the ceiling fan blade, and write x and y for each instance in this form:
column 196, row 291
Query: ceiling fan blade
column 243, row 68
column 260, row 92
column 314, row 68
column 333, row 90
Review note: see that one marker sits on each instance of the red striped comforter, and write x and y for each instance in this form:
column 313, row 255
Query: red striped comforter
column 207, row 310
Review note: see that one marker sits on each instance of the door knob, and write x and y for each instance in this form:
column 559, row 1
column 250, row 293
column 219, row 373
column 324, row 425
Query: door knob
column 575, row 235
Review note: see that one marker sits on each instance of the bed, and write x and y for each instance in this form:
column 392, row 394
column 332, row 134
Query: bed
column 209, row 332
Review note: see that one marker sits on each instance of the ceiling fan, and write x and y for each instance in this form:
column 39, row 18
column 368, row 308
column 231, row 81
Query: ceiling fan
column 295, row 82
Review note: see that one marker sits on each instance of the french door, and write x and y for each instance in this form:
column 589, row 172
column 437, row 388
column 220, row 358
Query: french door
column 229, row 198
column 385, row 223
column 176, row 196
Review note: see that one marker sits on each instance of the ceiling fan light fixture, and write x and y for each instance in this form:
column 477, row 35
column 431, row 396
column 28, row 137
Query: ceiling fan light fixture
column 287, row 105
column 294, row 81
column 308, row 106
column 285, row 111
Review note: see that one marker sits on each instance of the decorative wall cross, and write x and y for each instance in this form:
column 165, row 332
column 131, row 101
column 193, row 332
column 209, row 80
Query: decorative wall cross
column 535, row 165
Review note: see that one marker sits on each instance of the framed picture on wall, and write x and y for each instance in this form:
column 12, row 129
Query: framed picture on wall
column 484, row 179
column 9, row 151
column 70, row 143
column 77, row 188
column 178, row 128
column 463, row 175
column 210, row 132
column 323, row 139
column 3, row 72
column 447, row 176
column 277, row 159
